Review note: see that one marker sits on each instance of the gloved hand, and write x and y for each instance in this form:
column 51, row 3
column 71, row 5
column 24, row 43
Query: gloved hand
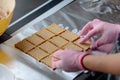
column 108, row 31
column 69, row 60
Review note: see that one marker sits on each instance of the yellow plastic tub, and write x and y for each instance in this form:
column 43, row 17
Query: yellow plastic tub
column 8, row 7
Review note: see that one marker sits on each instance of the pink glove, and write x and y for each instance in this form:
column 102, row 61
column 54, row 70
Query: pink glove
column 70, row 60
column 108, row 31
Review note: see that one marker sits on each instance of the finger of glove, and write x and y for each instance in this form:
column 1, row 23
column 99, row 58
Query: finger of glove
column 96, row 21
column 93, row 45
column 99, row 42
column 106, row 48
column 89, row 26
column 86, row 28
column 56, row 64
column 102, row 40
column 58, row 54
column 88, row 36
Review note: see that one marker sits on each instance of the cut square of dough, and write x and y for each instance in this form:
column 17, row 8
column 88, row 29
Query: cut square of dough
column 34, row 39
column 70, row 36
column 84, row 46
column 72, row 46
column 55, row 29
column 24, row 45
column 45, row 34
column 47, row 61
column 37, row 53
column 48, row 47
column 58, row 41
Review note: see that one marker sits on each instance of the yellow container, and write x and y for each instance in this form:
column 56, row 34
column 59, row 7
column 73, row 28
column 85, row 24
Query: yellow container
column 8, row 7
column 4, row 58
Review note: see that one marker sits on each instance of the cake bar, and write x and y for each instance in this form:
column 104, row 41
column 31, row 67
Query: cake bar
column 48, row 47
column 37, row 53
column 42, row 44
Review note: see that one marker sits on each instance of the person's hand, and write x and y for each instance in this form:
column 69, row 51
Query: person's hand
column 108, row 31
column 69, row 60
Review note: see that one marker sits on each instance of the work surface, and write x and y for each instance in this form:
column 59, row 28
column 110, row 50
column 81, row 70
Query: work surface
column 72, row 17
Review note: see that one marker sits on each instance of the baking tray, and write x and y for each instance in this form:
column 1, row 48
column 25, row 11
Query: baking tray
column 26, row 67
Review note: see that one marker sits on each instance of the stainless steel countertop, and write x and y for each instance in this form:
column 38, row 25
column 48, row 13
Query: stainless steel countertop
column 72, row 16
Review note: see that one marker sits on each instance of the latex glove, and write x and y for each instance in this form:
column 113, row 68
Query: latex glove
column 108, row 31
column 70, row 60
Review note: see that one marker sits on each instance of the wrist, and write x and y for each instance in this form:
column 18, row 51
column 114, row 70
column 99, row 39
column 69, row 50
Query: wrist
column 82, row 56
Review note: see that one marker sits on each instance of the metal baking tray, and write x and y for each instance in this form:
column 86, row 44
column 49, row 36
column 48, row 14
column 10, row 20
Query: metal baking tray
column 26, row 67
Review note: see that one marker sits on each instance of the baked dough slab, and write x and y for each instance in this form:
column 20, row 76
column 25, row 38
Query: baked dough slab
column 42, row 44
